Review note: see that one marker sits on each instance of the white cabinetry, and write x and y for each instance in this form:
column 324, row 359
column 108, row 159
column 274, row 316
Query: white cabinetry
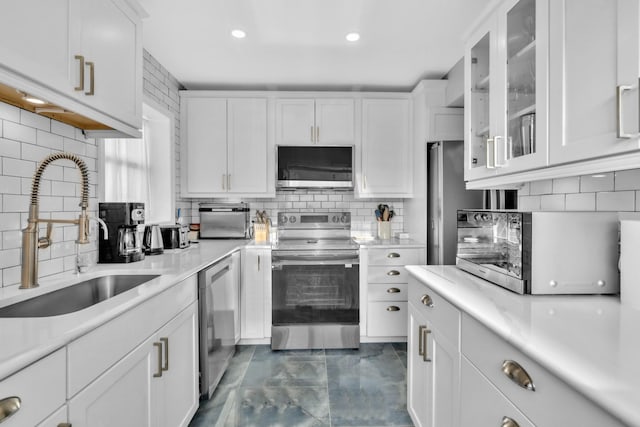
column 225, row 147
column 40, row 389
column 433, row 359
column 89, row 51
column 387, row 282
column 386, row 169
column 302, row 121
column 255, row 294
column 506, row 86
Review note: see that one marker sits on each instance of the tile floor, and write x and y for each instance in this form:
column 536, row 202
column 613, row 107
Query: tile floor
column 305, row 388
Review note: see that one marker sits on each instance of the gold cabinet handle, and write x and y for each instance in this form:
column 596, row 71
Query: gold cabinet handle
column 8, row 407
column 509, row 422
column 258, row 262
column 312, row 140
column 364, row 181
column 393, row 273
column 91, row 77
column 165, row 341
column 421, row 328
column 517, row 374
column 621, row 134
column 158, row 373
column 425, row 355
column 81, row 84
column 393, row 308
column 393, row 255
column 393, row 290
column 65, row 425
column 426, row 300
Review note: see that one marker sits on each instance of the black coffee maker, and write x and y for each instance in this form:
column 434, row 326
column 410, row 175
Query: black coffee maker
column 124, row 243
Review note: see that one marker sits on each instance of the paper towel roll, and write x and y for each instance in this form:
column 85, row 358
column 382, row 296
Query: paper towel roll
column 630, row 263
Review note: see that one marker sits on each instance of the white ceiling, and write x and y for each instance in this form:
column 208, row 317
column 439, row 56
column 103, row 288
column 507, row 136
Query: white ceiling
column 300, row 44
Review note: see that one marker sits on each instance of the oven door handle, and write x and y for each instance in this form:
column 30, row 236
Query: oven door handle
column 316, row 259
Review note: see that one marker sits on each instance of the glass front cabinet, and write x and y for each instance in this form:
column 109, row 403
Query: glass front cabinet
column 506, row 101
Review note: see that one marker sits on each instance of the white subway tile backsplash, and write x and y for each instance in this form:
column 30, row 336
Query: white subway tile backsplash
column 596, row 182
column 9, row 112
column 11, row 239
column 15, row 203
column 62, row 129
column 541, row 187
column 74, row 146
column 11, row 276
column 9, row 148
column 60, row 188
column 34, row 120
column 10, row 221
column 34, row 152
column 581, row 202
column 10, row 184
column 529, row 203
column 54, row 171
column 46, row 139
column 18, row 132
column 616, row 201
column 16, row 167
column 627, row 180
column 566, row 185
column 552, row 202
column 50, row 266
column 9, row 258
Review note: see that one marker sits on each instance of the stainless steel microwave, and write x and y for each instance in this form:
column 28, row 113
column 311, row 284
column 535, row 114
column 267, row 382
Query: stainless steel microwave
column 317, row 166
column 541, row 252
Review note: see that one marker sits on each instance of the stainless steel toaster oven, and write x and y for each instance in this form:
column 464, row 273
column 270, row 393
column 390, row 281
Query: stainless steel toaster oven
column 224, row 220
column 541, row 252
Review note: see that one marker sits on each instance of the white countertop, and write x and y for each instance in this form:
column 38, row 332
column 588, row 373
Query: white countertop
column 591, row 342
column 25, row 340
column 389, row 243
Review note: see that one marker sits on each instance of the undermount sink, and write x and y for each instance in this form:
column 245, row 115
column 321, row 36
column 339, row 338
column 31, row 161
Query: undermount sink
column 76, row 297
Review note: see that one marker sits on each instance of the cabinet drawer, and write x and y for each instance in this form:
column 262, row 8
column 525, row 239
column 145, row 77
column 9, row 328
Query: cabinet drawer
column 387, row 274
column 436, row 309
column 94, row 353
column 387, row 292
column 41, row 389
column 393, row 256
column 552, row 403
column 481, row 403
column 387, row 319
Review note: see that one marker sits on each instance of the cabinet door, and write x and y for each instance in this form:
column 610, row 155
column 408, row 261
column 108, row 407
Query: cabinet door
column 108, row 34
column 335, row 122
column 446, row 377
column 386, row 154
column 205, row 142
column 593, row 50
column 295, row 122
column 126, row 387
column 235, row 275
column 255, row 294
column 247, row 146
column 40, row 51
column 419, row 372
column 56, row 419
column 387, row 319
column 482, row 404
column 178, row 396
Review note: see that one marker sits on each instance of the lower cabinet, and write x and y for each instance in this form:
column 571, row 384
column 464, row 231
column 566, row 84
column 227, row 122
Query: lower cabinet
column 433, row 359
column 154, row 385
column 255, row 294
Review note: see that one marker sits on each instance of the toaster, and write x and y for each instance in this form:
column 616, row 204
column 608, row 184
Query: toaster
column 175, row 236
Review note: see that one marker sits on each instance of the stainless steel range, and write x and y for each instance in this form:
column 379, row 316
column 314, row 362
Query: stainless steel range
column 315, row 281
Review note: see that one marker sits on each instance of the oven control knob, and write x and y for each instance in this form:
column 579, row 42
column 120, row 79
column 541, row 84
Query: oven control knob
column 344, row 218
column 283, row 219
column 292, row 219
column 335, row 218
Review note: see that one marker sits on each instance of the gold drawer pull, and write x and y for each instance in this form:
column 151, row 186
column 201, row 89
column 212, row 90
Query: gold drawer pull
column 158, row 373
column 65, row 425
column 9, row 407
column 393, row 290
column 80, row 86
column 166, row 353
column 425, row 355
column 393, row 255
column 509, row 422
column 420, row 337
column 393, row 273
column 517, row 374
column 393, row 308
column 426, row 300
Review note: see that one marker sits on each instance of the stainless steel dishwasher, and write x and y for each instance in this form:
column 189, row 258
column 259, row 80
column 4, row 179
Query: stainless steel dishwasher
column 218, row 305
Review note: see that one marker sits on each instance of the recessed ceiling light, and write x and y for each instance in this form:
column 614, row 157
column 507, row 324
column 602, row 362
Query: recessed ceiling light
column 353, row 37
column 239, row 34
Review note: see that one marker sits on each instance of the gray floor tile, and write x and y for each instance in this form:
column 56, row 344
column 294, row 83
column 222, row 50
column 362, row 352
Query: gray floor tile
column 283, row 372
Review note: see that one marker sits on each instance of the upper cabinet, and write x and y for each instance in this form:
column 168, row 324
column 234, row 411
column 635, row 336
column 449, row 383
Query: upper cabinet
column 301, row 121
column 225, row 147
column 552, row 91
column 81, row 55
column 387, row 167
column 506, row 87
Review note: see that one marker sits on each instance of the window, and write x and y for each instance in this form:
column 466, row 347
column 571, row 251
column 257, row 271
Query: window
column 142, row 170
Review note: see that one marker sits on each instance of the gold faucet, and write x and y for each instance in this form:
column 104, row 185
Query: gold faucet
column 30, row 240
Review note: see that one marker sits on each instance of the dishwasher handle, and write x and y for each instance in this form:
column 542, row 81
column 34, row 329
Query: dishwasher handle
column 209, row 275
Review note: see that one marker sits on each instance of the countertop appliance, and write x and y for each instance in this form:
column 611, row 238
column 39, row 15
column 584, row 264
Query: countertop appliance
column 152, row 240
column 224, row 220
column 124, row 242
column 175, row 236
column 541, row 252
column 315, row 167
column 315, row 282
column 217, row 306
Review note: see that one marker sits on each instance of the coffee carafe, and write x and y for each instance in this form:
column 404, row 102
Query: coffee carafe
column 124, row 243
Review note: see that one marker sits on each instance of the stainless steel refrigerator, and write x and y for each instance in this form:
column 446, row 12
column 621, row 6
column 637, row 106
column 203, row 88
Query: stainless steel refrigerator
column 446, row 194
